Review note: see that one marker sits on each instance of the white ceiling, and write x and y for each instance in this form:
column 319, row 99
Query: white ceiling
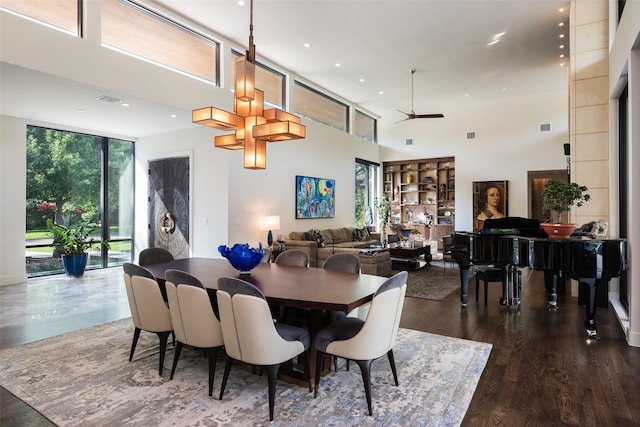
column 378, row 41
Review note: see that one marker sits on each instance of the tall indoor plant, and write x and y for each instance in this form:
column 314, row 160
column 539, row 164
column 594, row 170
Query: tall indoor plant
column 382, row 204
column 559, row 197
column 72, row 243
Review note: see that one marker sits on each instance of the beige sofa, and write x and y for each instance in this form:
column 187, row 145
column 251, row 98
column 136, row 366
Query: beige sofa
column 341, row 240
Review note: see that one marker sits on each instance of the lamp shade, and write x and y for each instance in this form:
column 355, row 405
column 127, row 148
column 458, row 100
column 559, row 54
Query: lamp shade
column 269, row 223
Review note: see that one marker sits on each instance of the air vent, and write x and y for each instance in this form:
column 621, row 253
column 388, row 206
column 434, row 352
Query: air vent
column 109, row 99
column 408, row 141
column 545, row 127
column 471, row 135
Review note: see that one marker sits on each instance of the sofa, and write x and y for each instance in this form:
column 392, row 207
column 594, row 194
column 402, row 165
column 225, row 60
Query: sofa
column 321, row 244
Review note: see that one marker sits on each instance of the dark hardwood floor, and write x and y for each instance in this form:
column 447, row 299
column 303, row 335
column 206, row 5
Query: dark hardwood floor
column 541, row 372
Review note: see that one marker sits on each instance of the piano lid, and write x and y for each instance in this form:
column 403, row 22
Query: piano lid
column 528, row 227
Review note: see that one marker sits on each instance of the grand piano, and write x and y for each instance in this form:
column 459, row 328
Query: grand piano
column 512, row 243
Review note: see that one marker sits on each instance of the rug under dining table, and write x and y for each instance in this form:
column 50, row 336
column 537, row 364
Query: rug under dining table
column 84, row 378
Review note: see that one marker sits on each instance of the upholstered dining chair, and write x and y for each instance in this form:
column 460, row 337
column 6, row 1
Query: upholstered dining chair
column 345, row 263
column 363, row 341
column 153, row 256
column 194, row 320
column 251, row 336
column 148, row 309
column 294, row 257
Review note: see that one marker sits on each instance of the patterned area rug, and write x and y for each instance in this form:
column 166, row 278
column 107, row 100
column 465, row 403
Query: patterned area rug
column 432, row 281
column 84, row 378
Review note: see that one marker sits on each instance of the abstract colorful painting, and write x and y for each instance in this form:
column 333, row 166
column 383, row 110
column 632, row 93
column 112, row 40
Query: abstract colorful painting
column 315, row 197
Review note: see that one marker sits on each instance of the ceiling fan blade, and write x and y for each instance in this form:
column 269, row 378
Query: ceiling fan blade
column 428, row 116
column 403, row 120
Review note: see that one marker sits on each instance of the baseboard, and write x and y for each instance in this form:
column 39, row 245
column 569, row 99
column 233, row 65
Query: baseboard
column 13, row 280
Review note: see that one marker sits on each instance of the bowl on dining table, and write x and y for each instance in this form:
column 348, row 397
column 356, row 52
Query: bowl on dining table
column 242, row 257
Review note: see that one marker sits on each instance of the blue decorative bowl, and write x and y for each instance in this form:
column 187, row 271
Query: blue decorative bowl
column 242, row 257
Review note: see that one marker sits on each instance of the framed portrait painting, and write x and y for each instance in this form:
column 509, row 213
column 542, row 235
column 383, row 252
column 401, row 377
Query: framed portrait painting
column 315, row 197
column 490, row 200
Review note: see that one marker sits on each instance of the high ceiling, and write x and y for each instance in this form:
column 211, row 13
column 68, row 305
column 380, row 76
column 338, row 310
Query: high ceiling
column 378, row 42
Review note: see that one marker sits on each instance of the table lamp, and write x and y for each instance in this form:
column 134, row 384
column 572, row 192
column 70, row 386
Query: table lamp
column 268, row 223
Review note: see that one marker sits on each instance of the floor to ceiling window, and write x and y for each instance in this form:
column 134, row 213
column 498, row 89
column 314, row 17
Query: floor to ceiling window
column 366, row 174
column 78, row 178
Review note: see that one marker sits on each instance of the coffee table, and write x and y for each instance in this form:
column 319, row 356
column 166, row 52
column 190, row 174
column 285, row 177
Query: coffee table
column 410, row 256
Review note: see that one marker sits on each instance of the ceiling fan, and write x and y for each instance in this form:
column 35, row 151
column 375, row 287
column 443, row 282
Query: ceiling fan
column 412, row 115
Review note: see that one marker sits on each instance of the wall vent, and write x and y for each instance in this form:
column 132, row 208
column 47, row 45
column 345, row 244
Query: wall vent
column 545, row 127
column 408, row 141
column 471, row 135
column 109, row 99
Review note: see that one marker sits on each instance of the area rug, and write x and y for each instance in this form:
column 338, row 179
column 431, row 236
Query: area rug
column 432, row 281
column 84, row 378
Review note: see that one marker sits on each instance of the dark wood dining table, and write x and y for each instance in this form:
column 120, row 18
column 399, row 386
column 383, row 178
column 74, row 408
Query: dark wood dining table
column 308, row 287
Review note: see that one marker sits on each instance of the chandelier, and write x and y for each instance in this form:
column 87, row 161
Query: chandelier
column 253, row 125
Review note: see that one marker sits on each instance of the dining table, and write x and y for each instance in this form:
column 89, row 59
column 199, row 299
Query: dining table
column 318, row 289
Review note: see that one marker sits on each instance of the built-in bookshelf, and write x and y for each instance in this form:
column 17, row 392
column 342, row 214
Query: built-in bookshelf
column 421, row 191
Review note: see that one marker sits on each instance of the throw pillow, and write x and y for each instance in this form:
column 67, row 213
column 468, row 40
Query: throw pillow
column 361, row 235
column 318, row 237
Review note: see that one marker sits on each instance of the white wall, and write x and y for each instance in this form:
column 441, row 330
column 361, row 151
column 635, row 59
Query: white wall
column 508, row 144
column 13, row 184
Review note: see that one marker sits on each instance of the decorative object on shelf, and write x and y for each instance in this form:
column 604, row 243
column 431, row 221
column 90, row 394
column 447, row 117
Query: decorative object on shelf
column 253, row 125
column 428, row 179
column 71, row 244
column 559, row 197
column 269, row 223
column 409, row 178
column 315, row 197
column 242, row 257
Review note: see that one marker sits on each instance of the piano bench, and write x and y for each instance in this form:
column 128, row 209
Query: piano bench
column 488, row 275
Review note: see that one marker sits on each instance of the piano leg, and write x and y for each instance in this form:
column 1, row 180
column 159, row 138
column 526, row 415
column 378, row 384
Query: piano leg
column 513, row 286
column 464, row 286
column 590, row 323
column 551, row 286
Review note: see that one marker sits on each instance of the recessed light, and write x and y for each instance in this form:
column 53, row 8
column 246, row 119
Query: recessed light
column 337, row 64
column 561, row 46
column 562, row 55
column 173, row 116
column 504, row 89
column 562, row 64
column 125, row 105
column 561, row 36
column 561, row 9
column 466, row 94
column 561, row 24
column 307, row 45
column 241, row 2
column 381, row 93
column 361, row 80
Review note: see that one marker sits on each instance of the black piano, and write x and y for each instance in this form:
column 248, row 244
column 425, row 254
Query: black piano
column 511, row 243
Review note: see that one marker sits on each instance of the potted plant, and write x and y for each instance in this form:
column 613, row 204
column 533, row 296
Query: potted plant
column 559, row 197
column 72, row 243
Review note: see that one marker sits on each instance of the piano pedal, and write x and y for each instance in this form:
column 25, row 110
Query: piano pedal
column 552, row 305
column 463, row 305
column 503, row 301
column 592, row 335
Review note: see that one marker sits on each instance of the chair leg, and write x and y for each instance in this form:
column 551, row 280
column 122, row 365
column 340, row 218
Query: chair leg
column 392, row 362
column 227, row 368
column 136, row 335
column 212, row 354
column 319, row 363
column 164, row 338
column 365, row 368
column 307, row 368
column 478, row 285
column 176, row 356
column 272, row 374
